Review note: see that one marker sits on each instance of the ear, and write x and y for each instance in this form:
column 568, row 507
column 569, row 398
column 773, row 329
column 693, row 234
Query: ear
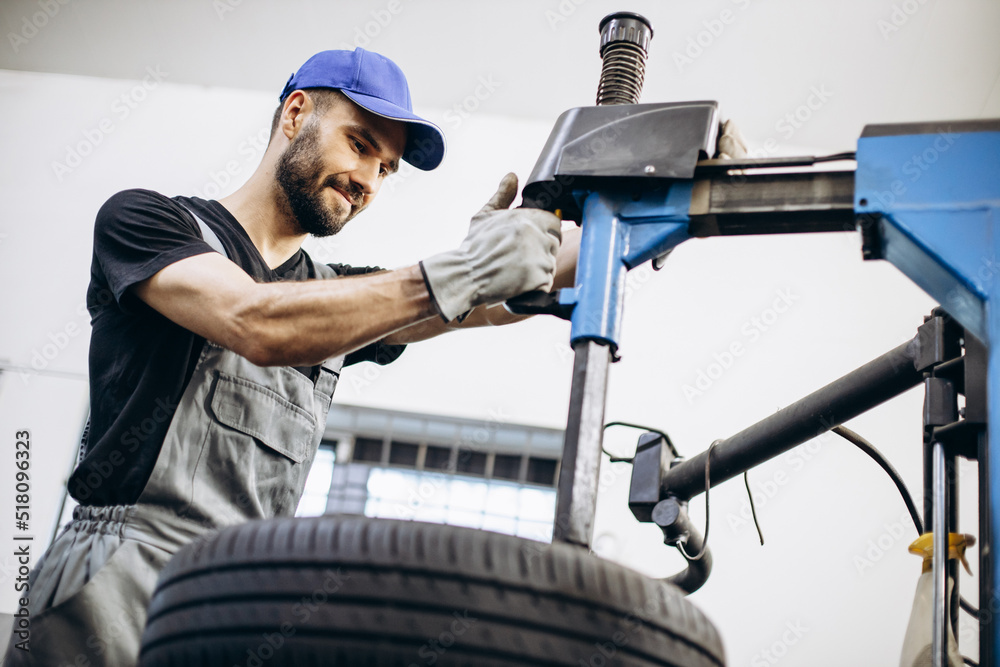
column 297, row 108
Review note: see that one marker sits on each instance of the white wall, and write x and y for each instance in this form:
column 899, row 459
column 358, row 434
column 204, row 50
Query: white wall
column 820, row 517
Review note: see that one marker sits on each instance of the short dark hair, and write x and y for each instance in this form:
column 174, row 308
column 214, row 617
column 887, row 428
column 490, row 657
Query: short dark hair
column 322, row 99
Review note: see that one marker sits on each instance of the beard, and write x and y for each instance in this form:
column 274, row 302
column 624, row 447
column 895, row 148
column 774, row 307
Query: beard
column 298, row 172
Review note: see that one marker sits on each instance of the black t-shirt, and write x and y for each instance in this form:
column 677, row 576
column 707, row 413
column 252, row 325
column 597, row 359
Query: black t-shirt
column 140, row 361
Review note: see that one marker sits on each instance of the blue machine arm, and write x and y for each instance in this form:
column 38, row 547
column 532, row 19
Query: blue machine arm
column 619, row 234
column 928, row 199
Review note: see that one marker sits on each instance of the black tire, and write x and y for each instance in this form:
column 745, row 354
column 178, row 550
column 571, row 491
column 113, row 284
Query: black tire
column 356, row 591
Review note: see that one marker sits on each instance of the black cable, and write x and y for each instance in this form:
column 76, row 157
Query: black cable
column 968, row 608
column 753, row 510
column 844, row 432
column 673, row 450
column 869, row 449
column 662, row 434
column 970, row 661
column 836, row 157
column 708, row 485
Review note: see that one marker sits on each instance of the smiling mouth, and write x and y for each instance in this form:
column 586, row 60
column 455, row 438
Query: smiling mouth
column 343, row 196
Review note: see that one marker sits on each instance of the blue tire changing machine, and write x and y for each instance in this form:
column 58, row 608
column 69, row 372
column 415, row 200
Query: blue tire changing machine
column 641, row 179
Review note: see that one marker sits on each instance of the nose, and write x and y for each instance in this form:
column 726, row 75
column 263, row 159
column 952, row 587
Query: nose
column 365, row 176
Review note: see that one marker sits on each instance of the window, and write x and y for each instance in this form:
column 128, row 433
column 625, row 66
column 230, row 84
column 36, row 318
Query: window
column 403, row 454
column 471, row 462
column 368, row 449
column 490, row 476
column 313, row 502
column 437, row 458
column 507, row 466
column 458, row 500
column 541, row 471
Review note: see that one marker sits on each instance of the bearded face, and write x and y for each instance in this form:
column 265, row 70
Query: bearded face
column 299, row 175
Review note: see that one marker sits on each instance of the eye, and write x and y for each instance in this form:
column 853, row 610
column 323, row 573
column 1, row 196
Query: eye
column 360, row 146
column 382, row 171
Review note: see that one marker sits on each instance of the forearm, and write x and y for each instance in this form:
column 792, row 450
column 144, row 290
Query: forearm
column 496, row 315
column 303, row 323
column 569, row 251
column 482, row 316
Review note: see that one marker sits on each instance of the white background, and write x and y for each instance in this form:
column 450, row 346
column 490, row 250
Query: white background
column 495, row 76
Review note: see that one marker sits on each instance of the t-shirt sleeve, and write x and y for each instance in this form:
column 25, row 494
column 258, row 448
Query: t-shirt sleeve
column 379, row 352
column 139, row 232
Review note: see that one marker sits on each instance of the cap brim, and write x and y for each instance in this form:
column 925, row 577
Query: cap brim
column 425, row 143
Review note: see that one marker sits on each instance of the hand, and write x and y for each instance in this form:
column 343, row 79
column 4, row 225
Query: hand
column 730, row 145
column 506, row 253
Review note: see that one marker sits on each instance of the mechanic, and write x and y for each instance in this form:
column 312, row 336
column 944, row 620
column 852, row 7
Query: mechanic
column 217, row 342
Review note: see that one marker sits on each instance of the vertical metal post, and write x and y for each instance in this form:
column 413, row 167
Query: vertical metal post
column 624, row 43
column 988, row 595
column 951, row 526
column 576, row 499
column 939, row 572
column 986, row 623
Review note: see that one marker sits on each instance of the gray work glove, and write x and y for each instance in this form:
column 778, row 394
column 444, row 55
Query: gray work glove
column 506, row 253
column 730, row 145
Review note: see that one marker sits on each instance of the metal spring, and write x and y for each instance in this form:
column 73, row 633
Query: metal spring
column 622, row 74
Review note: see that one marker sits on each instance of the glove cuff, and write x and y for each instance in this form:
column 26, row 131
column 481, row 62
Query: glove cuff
column 451, row 290
column 430, row 292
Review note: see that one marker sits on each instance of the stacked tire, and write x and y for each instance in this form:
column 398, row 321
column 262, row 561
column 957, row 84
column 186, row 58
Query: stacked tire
column 359, row 591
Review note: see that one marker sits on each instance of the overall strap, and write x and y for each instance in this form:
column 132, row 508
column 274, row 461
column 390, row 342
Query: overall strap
column 212, row 239
column 208, row 235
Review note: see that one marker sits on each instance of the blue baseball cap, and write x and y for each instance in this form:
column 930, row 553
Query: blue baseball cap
column 375, row 83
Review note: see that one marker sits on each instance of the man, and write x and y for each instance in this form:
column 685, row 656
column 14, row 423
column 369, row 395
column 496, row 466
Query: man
column 217, row 342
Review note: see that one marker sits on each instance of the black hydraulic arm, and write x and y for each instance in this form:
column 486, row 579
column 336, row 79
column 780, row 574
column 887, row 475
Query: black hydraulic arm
column 853, row 394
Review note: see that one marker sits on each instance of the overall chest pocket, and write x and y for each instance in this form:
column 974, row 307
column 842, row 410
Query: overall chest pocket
column 259, row 450
column 262, row 413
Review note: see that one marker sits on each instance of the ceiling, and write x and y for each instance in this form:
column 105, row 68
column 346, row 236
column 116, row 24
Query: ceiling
column 853, row 61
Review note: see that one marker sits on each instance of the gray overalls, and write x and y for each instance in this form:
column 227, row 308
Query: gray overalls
column 239, row 447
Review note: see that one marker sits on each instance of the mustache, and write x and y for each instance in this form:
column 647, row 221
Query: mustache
column 352, row 190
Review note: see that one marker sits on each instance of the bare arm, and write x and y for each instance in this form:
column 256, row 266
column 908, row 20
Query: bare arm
column 285, row 323
column 496, row 315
